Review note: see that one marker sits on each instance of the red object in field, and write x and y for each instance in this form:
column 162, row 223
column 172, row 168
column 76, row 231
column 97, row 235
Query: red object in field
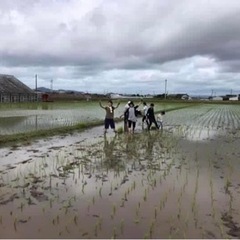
column 45, row 97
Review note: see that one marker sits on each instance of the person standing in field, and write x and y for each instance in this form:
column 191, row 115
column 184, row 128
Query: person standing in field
column 132, row 117
column 145, row 109
column 151, row 117
column 125, row 116
column 109, row 117
column 160, row 119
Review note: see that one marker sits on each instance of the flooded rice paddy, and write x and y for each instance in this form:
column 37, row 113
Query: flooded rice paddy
column 26, row 117
column 182, row 182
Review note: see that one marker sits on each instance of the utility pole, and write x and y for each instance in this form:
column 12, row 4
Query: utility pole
column 36, row 82
column 165, row 88
column 51, row 84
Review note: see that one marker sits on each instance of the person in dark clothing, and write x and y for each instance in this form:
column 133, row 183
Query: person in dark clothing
column 151, row 117
column 125, row 115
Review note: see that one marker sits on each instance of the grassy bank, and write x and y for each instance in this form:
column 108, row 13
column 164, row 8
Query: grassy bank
column 26, row 138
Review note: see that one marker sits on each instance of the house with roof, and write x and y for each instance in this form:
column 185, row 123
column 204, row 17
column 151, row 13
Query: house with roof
column 179, row 96
column 216, row 98
column 231, row 97
column 13, row 90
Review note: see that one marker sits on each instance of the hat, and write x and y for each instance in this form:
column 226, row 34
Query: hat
column 129, row 102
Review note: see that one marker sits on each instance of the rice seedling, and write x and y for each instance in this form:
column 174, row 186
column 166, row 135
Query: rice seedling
column 88, row 207
column 113, row 211
column 100, row 223
column 75, row 220
column 122, row 226
column 21, row 206
column 220, row 225
column 151, row 228
column 96, row 230
column 161, row 204
column 145, row 195
column 155, row 212
column 53, row 221
column 57, row 218
column 114, row 234
column 134, row 185
column 125, row 196
column 67, row 230
column 146, row 236
column 122, row 203
column 66, row 210
column 50, row 202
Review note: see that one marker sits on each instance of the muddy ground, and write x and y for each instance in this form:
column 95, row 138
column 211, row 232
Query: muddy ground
column 175, row 183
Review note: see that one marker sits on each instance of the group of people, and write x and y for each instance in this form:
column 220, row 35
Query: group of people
column 130, row 116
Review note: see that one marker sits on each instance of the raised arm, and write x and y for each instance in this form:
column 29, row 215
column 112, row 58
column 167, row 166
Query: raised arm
column 117, row 104
column 100, row 104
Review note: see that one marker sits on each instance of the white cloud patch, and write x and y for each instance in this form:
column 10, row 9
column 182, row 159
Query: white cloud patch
column 122, row 46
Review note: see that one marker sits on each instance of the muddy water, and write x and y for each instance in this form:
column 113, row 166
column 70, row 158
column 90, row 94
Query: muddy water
column 179, row 183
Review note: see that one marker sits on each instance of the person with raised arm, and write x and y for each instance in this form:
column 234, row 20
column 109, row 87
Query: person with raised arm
column 109, row 117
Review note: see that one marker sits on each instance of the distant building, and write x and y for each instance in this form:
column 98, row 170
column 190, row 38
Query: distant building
column 234, row 98
column 230, row 97
column 128, row 96
column 182, row 96
column 13, row 90
column 216, row 98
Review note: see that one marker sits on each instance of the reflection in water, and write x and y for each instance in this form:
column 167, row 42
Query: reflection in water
column 132, row 144
column 46, row 106
column 111, row 157
column 9, row 124
column 148, row 184
column 195, row 133
column 36, row 122
column 154, row 138
column 134, row 151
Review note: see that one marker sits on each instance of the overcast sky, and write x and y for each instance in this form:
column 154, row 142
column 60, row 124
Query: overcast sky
column 124, row 46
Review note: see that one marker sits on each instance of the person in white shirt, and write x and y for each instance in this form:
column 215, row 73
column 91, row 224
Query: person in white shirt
column 145, row 109
column 132, row 118
column 160, row 119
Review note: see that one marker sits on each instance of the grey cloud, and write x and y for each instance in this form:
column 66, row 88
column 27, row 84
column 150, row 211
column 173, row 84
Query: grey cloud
column 109, row 43
column 105, row 36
